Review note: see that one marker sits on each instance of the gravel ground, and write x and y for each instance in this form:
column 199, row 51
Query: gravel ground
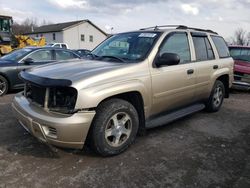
column 201, row 150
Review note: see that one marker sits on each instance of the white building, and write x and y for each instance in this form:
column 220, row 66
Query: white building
column 77, row 34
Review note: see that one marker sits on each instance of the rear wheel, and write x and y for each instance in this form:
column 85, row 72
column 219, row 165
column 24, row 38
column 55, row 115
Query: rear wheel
column 114, row 128
column 3, row 86
column 216, row 97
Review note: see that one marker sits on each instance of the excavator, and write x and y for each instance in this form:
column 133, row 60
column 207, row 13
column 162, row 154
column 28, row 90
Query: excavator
column 10, row 42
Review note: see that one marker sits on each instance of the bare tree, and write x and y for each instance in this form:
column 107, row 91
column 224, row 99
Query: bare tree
column 26, row 26
column 241, row 37
column 46, row 22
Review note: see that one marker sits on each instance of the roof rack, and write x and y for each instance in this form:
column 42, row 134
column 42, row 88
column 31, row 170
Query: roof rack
column 157, row 27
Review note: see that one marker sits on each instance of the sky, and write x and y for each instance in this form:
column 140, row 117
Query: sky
column 222, row 16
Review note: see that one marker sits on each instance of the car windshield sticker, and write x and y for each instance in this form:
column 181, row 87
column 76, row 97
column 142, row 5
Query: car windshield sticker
column 148, row 35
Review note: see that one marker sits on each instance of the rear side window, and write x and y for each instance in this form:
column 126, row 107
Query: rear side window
column 203, row 49
column 64, row 46
column 221, row 46
column 41, row 55
column 64, row 55
column 177, row 43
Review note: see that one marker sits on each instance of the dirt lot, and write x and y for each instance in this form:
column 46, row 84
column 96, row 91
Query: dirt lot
column 202, row 150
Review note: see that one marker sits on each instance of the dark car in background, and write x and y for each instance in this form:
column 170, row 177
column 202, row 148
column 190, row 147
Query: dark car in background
column 25, row 58
column 82, row 52
column 241, row 56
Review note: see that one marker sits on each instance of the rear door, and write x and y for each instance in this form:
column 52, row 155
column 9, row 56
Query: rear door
column 206, row 64
column 173, row 86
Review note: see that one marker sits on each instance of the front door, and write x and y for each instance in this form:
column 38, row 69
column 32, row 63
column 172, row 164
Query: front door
column 173, row 86
column 36, row 58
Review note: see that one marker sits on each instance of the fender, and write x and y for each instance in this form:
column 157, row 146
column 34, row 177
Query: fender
column 93, row 96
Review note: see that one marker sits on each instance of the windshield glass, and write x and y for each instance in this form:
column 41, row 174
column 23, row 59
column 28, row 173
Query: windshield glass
column 242, row 54
column 133, row 46
column 5, row 25
column 16, row 55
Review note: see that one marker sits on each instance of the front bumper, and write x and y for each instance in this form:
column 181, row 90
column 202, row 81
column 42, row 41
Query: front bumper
column 61, row 130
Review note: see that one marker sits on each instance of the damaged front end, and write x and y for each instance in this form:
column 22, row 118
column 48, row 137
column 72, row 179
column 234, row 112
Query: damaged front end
column 54, row 95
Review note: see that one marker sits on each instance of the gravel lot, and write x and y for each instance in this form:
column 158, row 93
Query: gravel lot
column 202, row 150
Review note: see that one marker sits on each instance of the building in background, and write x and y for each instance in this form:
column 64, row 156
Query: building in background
column 77, row 34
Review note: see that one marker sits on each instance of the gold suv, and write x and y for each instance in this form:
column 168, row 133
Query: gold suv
column 130, row 82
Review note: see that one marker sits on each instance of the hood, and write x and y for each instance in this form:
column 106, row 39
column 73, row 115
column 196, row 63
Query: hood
column 76, row 70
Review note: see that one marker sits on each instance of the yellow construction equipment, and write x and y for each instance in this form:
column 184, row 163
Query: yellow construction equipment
column 9, row 42
column 24, row 41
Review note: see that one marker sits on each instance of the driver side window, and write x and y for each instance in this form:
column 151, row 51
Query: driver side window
column 41, row 55
column 177, row 43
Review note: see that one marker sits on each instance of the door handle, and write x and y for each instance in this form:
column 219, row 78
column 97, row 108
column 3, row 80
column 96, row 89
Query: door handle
column 215, row 67
column 190, row 71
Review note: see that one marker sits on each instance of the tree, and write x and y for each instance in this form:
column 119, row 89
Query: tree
column 241, row 37
column 27, row 26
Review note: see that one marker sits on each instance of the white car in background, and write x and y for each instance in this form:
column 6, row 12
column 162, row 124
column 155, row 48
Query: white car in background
column 58, row 45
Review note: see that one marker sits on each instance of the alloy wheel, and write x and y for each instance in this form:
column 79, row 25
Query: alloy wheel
column 218, row 95
column 118, row 129
column 2, row 87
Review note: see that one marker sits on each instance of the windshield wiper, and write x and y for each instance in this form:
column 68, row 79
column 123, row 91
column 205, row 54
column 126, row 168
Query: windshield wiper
column 111, row 57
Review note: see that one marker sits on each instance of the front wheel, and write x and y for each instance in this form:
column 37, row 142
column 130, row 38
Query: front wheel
column 3, row 86
column 114, row 127
column 216, row 97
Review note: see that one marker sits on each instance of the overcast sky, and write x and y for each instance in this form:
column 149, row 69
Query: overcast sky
column 223, row 16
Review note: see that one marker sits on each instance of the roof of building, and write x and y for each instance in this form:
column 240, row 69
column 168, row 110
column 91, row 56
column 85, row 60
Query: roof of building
column 61, row 27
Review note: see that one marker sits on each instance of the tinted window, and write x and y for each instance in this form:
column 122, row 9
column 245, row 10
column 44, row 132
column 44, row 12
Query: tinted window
column 235, row 52
column 177, row 43
column 57, row 45
column 210, row 52
column 41, row 55
column 239, row 53
column 64, row 55
column 203, row 49
column 221, row 46
column 64, row 46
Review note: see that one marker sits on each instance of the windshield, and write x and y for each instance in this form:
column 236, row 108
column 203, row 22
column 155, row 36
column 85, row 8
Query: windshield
column 242, row 54
column 5, row 25
column 125, row 47
column 16, row 55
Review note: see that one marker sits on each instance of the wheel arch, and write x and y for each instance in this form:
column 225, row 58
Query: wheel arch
column 9, row 83
column 225, row 80
column 135, row 98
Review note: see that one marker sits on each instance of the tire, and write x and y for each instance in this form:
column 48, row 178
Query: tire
column 216, row 97
column 4, row 86
column 114, row 127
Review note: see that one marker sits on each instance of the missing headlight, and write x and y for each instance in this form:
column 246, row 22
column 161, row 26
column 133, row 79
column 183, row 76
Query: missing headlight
column 62, row 99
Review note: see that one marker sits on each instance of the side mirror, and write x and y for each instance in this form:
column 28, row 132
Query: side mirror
column 28, row 61
column 167, row 59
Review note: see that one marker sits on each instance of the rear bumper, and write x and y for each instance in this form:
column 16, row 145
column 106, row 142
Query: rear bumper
column 68, row 131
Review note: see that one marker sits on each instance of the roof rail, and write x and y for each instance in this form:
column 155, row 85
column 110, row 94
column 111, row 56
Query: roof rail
column 178, row 27
column 157, row 27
